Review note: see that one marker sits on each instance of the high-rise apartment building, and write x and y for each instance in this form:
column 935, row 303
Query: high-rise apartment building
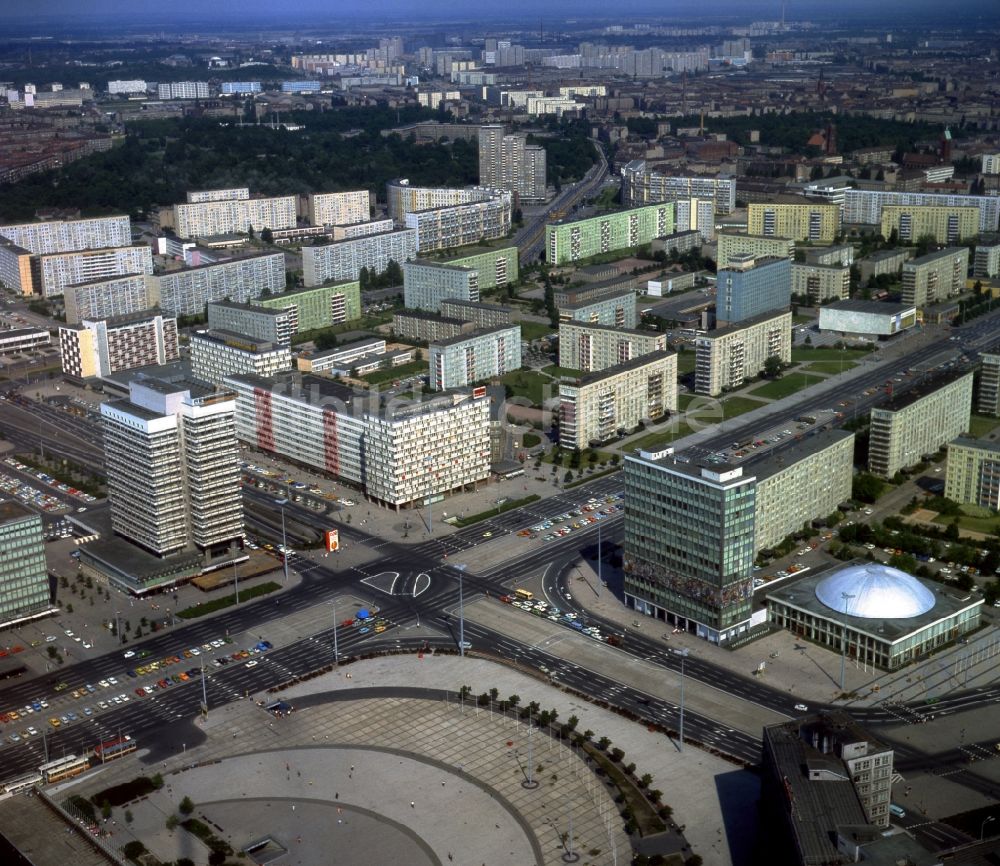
column 727, row 357
column 689, row 544
column 24, row 577
column 185, row 292
column 935, row 277
column 604, row 405
column 197, row 196
column 592, row 348
column 63, row 236
column 398, row 451
column 215, row 355
column 497, row 265
column 261, row 323
column 973, row 472
column 990, row 163
column 732, row 243
column 642, row 185
column 480, row 314
column 988, row 395
column 465, row 359
column 318, row 306
column 806, row 221
column 750, row 287
column 572, row 240
column 339, row 208
column 98, row 347
column 203, row 219
column 426, row 284
column 403, row 198
column 172, row 464
column 508, row 162
column 116, row 296
column 343, row 260
column 429, row 327
column 987, row 260
column 919, row 422
column 183, row 90
column 865, row 206
column 947, row 225
column 459, row 225
column 616, row 310
column 59, row 270
column 821, row 283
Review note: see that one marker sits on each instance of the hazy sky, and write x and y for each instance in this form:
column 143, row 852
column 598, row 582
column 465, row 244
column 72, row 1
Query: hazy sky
column 239, row 11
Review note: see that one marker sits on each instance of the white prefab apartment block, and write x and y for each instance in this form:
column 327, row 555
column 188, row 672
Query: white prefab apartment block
column 262, row 323
column 117, row 296
column 865, row 206
column 730, row 244
column 362, row 230
column 727, row 357
column 399, row 452
column 216, row 355
column 233, row 216
column 603, row 406
column 61, row 236
column 427, row 284
column 344, row 260
column 202, row 195
column 185, row 292
column 402, row 198
column 468, row 358
column 98, row 347
column 462, row 224
column 642, row 185
column 919, row 422
column 339, row 208
column 183, row 90
column 172, row 463
column 935, row 277
column 59, row 270
column 591, row 348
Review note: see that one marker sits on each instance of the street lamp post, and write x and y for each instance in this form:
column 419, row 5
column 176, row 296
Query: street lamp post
column 680, row 728
column 336, row 650
column 281, row 503
column 846, row 596
column 461, row 618
column 204, row 689
column 118, row 628
column 236, row 581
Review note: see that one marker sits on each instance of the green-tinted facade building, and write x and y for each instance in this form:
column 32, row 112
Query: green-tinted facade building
column 24, row 581
column 574, row 240
column 689, row 544
column 319, row 306
column 497, row 266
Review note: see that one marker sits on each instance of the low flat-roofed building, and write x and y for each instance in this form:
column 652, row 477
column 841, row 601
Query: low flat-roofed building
column 972, row 474
column 591, row 348
column 340, row 357
column 919, row 422
column 875, row 614
column 217, row 354
column 23, row 339
column 867, row 318
column 602, row 406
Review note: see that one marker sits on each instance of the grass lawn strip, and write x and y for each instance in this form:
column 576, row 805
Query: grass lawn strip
column 207, row 607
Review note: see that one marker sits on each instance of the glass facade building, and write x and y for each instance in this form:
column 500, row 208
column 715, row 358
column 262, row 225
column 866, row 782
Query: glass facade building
column 24, row 581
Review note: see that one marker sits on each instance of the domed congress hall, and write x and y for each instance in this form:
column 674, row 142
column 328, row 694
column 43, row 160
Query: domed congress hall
column 885, row 617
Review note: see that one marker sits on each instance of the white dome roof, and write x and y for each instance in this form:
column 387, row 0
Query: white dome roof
column 875, row 591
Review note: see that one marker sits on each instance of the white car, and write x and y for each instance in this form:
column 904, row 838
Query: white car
column 130, row 654
column 251, row 664
column 802, row 708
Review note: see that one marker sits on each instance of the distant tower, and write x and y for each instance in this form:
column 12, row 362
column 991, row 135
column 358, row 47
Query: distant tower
column 831, row 140
column 821, row 86
column 782, row 14
column 946, row 146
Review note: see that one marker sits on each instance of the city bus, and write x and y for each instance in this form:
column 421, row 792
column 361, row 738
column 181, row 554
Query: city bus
column 525, row 594
column 22, row 783
column 112, row 749
column 63, row 768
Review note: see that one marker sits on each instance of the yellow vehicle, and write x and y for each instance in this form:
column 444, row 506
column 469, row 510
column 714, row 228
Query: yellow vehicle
column 524, row 593
column 54, row 722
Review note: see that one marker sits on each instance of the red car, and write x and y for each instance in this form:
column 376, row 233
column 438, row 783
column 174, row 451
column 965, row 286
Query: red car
column 141, row 692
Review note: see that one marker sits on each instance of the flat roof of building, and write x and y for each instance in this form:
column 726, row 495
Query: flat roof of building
column 347, row 347
column 132, row 318
column 439, row 266
column 478, row 305
column 131, row 560
column 427, row 315
column 979, row 444
column 11, row 509
column 611, row 329
column 618, row 369
column 477, row 250
column 22, row 332
column 878, row 255
column 859, row 305
column 923, row 389
column 747, row 323
column 937, row 254
column 229, row 338
column 601, row 299
column 472, row 335
column 249, row 308
column 106, row 280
